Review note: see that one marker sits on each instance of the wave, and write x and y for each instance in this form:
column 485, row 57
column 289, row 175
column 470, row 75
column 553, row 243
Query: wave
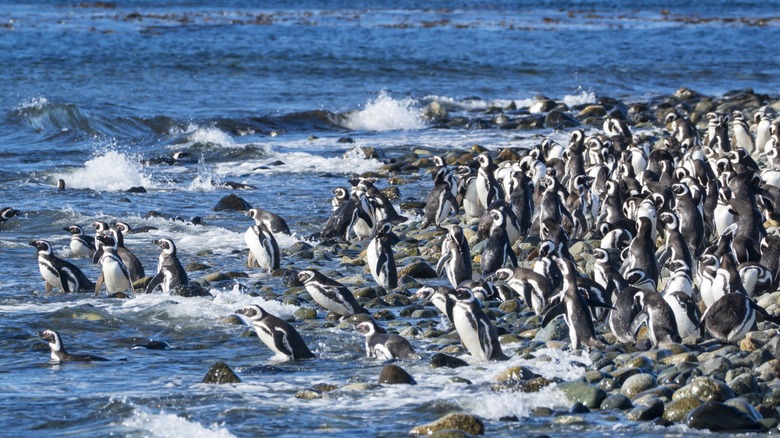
column 385, row 114
column 171, row 425
column 110, row 171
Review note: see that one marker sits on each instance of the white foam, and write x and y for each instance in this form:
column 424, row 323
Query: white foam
column 386, row 114
column 583, row 98
column 164, row 425
column 112, row 171
column 299, row 162
column 37, row 103
column 207, row 136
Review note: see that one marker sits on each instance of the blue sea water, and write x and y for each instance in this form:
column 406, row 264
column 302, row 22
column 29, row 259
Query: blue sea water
column 90, row 89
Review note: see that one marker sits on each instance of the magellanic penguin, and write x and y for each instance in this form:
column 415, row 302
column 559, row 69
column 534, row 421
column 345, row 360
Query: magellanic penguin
column 114, row 272
column 455, row 257
column 380, row 258
column 128, row 258
column 81, row 245
column 488, row 188
column 475, row 330
column 277, row 334
column 59, row 273
column 170, row 272
column 263, row 248
column 330, row 294
column 535, row 289
column 7, row 213
column 626, row 310
column 659, row 317
column 732, row 316
column 606, row 274
column 272, row 222
column 58, row 353
column 441, row 203
column 340, row 197
column 385, row 346
column 497, row 249
column 574, row 309
column 467, row 191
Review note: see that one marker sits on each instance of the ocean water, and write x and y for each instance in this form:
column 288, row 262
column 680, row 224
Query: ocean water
column 261, row 93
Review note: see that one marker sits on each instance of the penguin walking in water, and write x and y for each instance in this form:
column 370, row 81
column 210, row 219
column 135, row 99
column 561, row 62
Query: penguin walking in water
column 385, row 346
column 58, row 352
column 658, row 316
column 455, row 257
column 263, row 248
column 330, row 294
column 380, row 258
column 276, row 334
column 114, row 272
column 574, row 309
column 498, row 249
column 273, row 222
column 440, row 297
column 81, row 245
column 475, row 330
column 59, row 273
column 170, row 272
column 441, row 203
column 128, row 258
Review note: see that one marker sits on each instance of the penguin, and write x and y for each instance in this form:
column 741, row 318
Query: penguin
column 439, row 165
column 606, row 274
column 770, row 258
column 128, row 258
column 762, row 126
column 169, row 160
column 520, row 201
column 682, row 128
column 680, row 279
column 170, row 272
column 475, row 330
column 330, row 294
column 114, row 272
column 690, row 221
column 755, row 278
column 731, row 317
column 467, row 191
column 364, row 219
column 488, row 188
column 7, row 213
column 574, row 309
column 675, row 247
column 486, row 290
column 385, row 346
column 344, row 218
column 272, row 222
column 441, row 204
column 656, row 313
column 340, row 197
column 263, row 248
column 497, row 249
column 440, row 297
column 58, row 353
column 276, row 334
column 640, row 254
column 686, row 314
column 455, row 257
column 626, row 310
column 535, row 289
column 81, row 245
column 380, row 205
column 511, row 223
column 59, row 273
column 380, row 258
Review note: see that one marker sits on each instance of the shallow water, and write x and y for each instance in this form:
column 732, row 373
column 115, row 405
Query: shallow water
column 88, row 92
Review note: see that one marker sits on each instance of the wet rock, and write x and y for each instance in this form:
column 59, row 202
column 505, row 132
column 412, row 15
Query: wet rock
column 719, row 417
column 646, row 412
column 709, row 389
column 638, row 383
column 467, row 423
column 443, row 360
column 744, row 384
column 579, row 391
column 418, row 269
column 304, row 313
column 556, row 330
column 393, row 375
column 308, row 394
column 515, row 373
column 232, row 202
column 216, row 277
column 220, row 373
column 744, row 406
column 193, row 290
column 617, row 401
column 196, row 266
column 557, row 119
column 678, row 410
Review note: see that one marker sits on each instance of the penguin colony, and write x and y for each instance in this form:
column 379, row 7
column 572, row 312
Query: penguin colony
column 683, row 251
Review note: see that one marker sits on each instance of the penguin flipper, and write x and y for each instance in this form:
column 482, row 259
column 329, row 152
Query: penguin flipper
column 99, row 284
column 64, row 277
column 639, row 320
column 281, row 342
column 596, row 303
column 446, row 257
column 156, row 282
column 763, row 312
column 512, row 256
column 98, row 254
column 556, row 311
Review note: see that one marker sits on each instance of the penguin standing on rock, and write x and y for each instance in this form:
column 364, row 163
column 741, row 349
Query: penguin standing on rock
column 659, row 317
column 170, row 272
column 475, row 330
column 498, row 249
column 441, row 203
column 59, row 273
column 385, row 346
column 380, row 258
column 732, row 316
column 277, row 334
column 455, row 257
column 263, row 248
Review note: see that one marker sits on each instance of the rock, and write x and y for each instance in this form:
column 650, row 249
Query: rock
column 362, row 153
column 719, row 417
column 308, row 394
column 418, row 269
column 196, row 266
column 709, row 389
column 467, row 423
column 556, row 330
column 515, row 373
column 220, row 373
column 304, row 313
column 744, row 384
column 638, row 383
column 744, row 406
column 193, row 290
column 579, row 391
column 216, row 277
column 442, row 360
column 393, row 374
column 616, row 401
column 678, row 410
column 232, row 202
column 557, row 119
column 646, row 412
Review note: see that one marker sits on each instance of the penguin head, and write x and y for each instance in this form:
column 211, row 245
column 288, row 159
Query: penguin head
column 101, row 227
column 8, row 212
column 737, row 115
column 498, row 218
column 122, row 227
column 463, row 295
column 600, row 254
column 438, row 161
column 53, row 338
column 306, row 275
column 42, row 246
column 669, row 219
column 576, row 138
column 340, row 193
column 166, row 245
column 253, row 312
column 254, row 213
column 546, row 248
column 107, row 241
column 440, row 175
column 671, row 117
column 484, row 160
column 368, row 328
column 75, row 230
column 502, row 274
column 680, row 189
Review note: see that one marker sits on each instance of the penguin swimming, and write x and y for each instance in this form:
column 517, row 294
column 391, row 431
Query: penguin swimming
column 276, row 334
column 7, row 213
column 263, row 248
column 58, row 353
column 59, row 273
column 81, row 245
column 380, row 258
column 385, row 346
column 475, row 330
column 330, row 294
column 170, row 272
column 455, row 257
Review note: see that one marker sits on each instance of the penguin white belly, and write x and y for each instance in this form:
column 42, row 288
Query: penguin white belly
column 382, row 353
column 685, row 326
column 361, row 229
column 771, row 177
column 260, row 253
column 717, row 289
column 78, row 248
column 471, row 201
column 113, row 276
column 469, row 334
column 483, row 187
column 327, row 302
column 372, row 258
column 49, row 274
column 266, row 335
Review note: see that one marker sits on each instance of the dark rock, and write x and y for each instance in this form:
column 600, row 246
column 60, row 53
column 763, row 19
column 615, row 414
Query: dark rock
column 442, row 360
column 579, row 408
column 719, row 417
column 467, row 423
column 393, row 374
column 646, row 412
column 193, row 290
column 579, row 391
column 138, row 189
column 617, row 401
column 232, row 202
column 220, row 373
column 196, row 266
column 557, row 119
column 418, row 269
